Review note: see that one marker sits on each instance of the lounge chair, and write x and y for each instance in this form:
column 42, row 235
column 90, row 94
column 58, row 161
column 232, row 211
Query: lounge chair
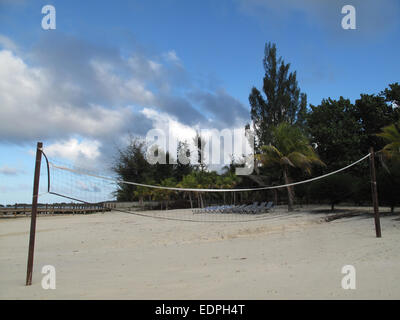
column 270, row 205
column 229, row 209
column 238, row 209
column 262, row 207
column 203, row 210
column 249, row 208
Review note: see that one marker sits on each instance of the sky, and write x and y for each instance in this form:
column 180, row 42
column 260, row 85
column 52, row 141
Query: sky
column 112, row 69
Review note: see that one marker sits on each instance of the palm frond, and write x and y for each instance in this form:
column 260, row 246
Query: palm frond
column 391, row 134
column 270, row 156
column 286, row 161
column 291, row 148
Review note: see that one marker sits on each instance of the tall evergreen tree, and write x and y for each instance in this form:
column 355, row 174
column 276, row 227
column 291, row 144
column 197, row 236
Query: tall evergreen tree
column 283, row 101
column 131, row 165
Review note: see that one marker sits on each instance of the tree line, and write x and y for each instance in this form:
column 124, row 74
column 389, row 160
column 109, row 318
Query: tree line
column 293, row 142
column 132, row 165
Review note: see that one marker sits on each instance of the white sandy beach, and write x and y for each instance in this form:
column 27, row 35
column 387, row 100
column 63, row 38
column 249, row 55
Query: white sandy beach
column 121, row 256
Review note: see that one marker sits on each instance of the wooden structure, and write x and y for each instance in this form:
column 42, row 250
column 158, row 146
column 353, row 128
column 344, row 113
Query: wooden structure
column 53, row 209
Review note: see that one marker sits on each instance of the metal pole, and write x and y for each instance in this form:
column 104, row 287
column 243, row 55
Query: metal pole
column 33, row 213
column 374, row 192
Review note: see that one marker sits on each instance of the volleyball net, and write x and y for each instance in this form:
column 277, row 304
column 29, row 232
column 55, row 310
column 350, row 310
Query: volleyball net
column 347, row 189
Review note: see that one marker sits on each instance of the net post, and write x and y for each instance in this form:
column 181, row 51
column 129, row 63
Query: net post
column 33, row 213
column 374, row 192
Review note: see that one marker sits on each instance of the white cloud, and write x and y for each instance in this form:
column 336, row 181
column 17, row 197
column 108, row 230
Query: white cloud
column 95, row 95
column 74, row 150
column 144, row 67
column 131, row 89
column 7, row 43
column 165, row 122
column 156, row 67
column 171, row 56
column 31, row 109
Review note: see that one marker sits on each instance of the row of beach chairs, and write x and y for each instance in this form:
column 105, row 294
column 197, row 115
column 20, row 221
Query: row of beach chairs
column 244, row 208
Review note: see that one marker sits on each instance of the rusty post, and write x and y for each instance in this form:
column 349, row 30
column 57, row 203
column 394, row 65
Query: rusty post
column 374, row 192
column 33, row 213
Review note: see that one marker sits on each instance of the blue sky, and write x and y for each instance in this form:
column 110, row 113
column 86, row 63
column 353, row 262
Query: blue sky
column 116, row 67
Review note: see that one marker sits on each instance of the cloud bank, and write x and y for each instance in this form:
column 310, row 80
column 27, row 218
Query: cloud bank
column 81, row 97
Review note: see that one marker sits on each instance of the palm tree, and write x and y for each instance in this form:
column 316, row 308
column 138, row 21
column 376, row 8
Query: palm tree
column 391, row 134
column 194, row 180
column 166, row 193
column 226, row 181
column 289, row 148
column 188, row 181
column 141, row 193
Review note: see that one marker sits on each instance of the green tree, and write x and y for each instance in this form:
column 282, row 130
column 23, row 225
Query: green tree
column 229, row 180
column 373, row 113
column 389, row 185
column 392, row 96
column 334, row 129
column 131, row 165
column 283, row 100
column 344, row 132
column 188, row 181
column 165, row 194
column 391, row 134
column 194, row 181
column 289, row 148
column 141, row 192
column 161, row 171
column 335, row 188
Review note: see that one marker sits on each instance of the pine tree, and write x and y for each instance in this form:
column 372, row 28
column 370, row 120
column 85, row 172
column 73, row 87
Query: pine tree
column 283, row 101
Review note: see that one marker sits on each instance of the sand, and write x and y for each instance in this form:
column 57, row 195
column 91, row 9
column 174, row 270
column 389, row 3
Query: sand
column 121, row 256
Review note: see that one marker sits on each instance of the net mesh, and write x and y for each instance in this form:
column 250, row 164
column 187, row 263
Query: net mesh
column 318, row 194
column 79, row 184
